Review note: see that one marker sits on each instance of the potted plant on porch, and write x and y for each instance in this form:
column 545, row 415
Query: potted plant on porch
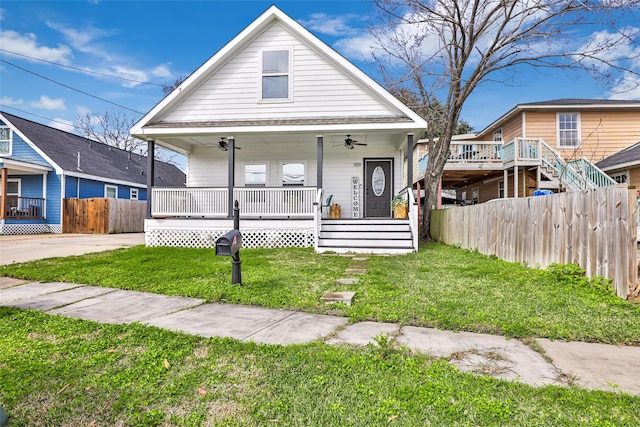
column 399, row 205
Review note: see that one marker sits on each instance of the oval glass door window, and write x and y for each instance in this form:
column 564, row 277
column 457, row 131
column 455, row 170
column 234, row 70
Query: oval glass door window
column 378, row 181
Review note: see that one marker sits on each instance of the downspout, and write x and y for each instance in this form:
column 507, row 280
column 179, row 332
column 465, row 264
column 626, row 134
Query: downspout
column 410, row 162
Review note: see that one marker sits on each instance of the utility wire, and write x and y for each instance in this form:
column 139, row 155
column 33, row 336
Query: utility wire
column 42, row 117
column 81, row 69
column 69, row 87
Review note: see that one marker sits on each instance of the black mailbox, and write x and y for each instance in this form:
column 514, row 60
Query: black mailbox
column 229, row 244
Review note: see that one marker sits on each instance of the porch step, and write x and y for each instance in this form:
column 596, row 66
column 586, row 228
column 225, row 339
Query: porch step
column 390, row 236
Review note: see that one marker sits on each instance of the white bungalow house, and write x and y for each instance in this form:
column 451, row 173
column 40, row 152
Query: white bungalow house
column 280, row 122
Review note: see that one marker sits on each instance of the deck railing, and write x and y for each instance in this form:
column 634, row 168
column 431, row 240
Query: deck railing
column 18, row 207
column 591, row 173
column 279, row 202
column 199, row 202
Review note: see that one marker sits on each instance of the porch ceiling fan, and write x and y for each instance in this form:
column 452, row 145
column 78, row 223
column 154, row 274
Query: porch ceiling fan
column 350, row 143
column 223, row 144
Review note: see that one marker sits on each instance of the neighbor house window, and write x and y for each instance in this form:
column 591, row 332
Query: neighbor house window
column 133, row 194
column 111, row 191
column 255, row 175
column 497, row 135
column 620, row 178
column 568, row 130
column 275, row 74
column 293, row 174
column 475, row 196
column 13, row 189
column 501, row 190
column 5, row 140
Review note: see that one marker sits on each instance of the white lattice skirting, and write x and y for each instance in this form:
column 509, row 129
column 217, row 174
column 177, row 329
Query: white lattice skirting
column 251, row 238
column 19, row 229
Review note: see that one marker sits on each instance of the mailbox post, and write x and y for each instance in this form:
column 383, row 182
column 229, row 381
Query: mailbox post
column 230, row 244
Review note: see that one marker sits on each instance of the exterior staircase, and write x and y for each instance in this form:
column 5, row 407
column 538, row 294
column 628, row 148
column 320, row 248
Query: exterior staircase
column 371, row 236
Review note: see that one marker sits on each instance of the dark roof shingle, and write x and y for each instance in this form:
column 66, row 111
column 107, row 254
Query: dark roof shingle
column 626, row 155
column 96, row 158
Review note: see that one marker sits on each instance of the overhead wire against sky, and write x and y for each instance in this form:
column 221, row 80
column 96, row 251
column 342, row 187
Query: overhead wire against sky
column 69, row 87
column 41, row 117
column 83, row 70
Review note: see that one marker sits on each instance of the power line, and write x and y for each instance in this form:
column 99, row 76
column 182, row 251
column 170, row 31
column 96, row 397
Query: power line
column 82, row 69
column 69, row 87
column 42, row 117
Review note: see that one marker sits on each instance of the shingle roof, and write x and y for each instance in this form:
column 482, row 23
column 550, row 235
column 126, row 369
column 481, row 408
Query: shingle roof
column 627, row 155
column 96, row 159
column 582, row 102
column 282, row 122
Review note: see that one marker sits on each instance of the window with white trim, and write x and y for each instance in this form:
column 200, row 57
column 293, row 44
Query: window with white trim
column 501, row 190
column 497, row 135
column 110, row 191
column 568, row 128
column 275, row 77
column 620, row 178
column 133, row 194
column 255, row 175
column 293, row 174
column 5, row 140
column 14, row 188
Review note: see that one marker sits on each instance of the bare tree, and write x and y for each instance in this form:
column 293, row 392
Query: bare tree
column 167, row 89
column 446, row 48
column 111, row 128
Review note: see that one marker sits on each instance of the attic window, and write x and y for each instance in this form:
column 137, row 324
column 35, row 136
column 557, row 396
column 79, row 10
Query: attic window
column 275, row 74
column 5, row 140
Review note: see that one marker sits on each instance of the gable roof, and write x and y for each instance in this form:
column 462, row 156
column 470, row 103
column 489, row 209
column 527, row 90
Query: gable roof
column 405, row 117
column 626, row 157
column 564, row 104
column 97, row 160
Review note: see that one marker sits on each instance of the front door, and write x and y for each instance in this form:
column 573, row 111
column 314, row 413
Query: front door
column 378, row 178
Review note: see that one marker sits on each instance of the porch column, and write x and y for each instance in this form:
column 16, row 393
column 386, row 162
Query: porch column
column 319, row 159
column 3, row 185
column 151, row 152
column 515, row 181
column 410, row 161
column 232, row 173
column 506, row 184
column 538, row 177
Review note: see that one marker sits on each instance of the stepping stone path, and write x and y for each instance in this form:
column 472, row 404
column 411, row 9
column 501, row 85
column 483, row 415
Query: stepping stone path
column 357, row 267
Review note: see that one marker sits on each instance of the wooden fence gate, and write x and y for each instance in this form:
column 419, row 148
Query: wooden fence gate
column 103, row 216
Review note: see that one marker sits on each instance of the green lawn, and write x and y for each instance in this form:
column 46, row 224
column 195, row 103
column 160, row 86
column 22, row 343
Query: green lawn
column 440, row 286
column 56, row 371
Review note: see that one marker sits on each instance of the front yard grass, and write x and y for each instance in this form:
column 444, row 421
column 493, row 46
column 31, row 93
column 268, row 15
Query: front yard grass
column 439, row 286
column 69, row 372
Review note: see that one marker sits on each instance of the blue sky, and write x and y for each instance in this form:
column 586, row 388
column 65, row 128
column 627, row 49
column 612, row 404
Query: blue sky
column 152, row 43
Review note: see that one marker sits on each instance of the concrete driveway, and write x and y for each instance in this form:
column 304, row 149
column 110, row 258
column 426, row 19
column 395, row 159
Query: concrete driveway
column 32, row 247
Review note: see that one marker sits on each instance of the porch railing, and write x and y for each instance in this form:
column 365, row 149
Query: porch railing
column 278, row 202
column 18, row 207
column 207, row 202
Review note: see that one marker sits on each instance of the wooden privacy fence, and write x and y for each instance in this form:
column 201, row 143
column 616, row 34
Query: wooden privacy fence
column 103, row 216
column 595, row 229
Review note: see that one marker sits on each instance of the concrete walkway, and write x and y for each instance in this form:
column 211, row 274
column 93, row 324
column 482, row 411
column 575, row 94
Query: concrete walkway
column 22, row 248
column 594, row 366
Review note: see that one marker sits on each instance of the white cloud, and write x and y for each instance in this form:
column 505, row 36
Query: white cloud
column 82, row 110
column 27, row 44
column 627, row 87
column 332, row 25
column 7, row 101
column 88, row 41
column 47, row 103
column 62, row 124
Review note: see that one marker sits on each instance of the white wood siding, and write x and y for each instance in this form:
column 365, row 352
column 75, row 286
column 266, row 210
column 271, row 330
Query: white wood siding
column 208, row 167
column 320, row 89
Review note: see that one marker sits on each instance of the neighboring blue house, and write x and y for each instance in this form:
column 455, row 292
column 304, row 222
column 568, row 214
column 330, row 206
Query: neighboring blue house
column 41, row 166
